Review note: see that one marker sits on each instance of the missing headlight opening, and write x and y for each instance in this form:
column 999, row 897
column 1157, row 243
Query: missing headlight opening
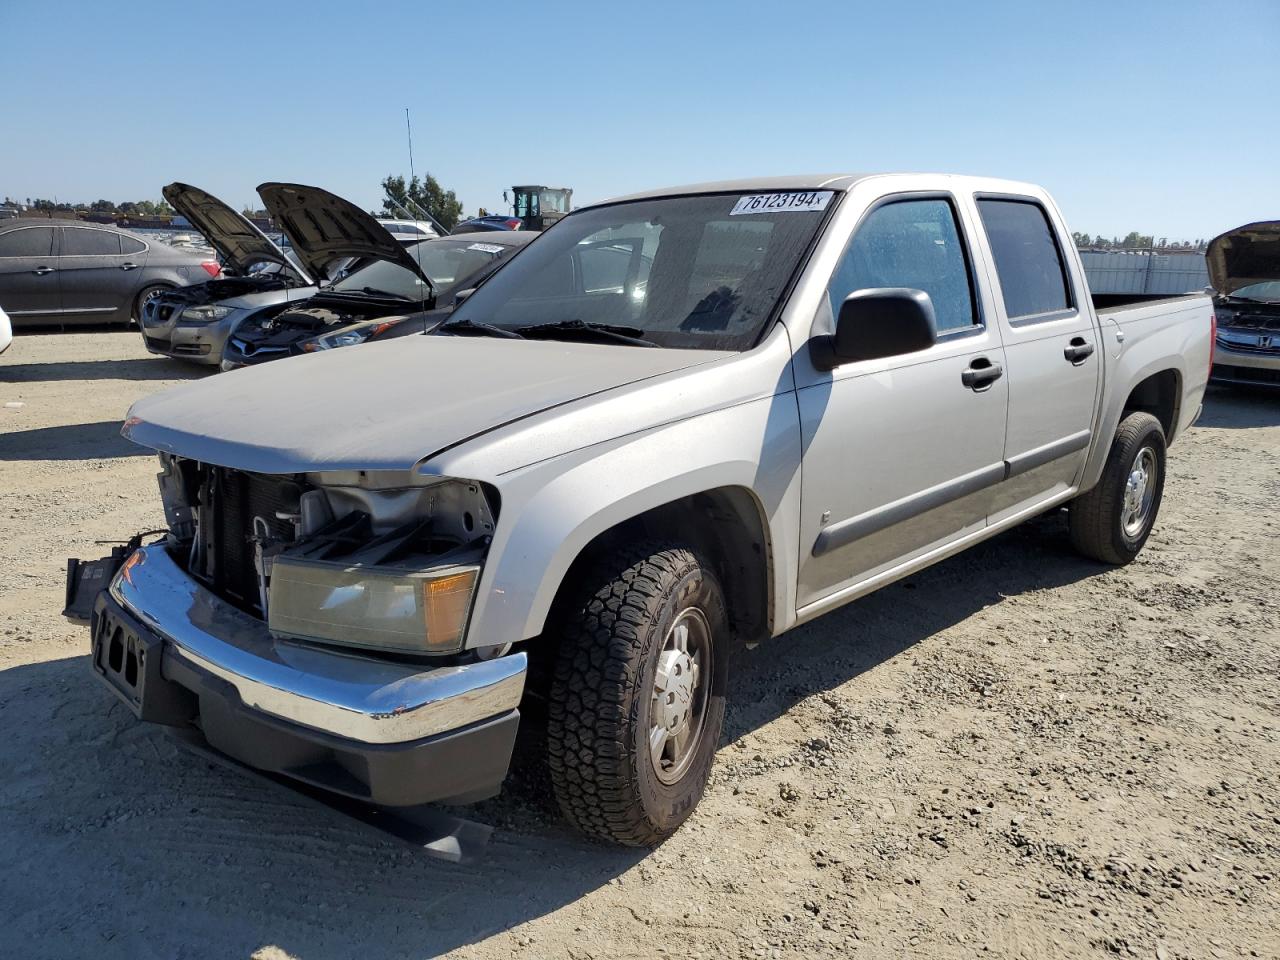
column 351, row 557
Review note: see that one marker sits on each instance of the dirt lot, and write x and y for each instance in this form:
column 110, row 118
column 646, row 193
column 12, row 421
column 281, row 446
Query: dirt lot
column 1016, row 753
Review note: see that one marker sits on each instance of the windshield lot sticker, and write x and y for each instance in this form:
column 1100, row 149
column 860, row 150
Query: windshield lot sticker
column 486, row 247
column 782, row 202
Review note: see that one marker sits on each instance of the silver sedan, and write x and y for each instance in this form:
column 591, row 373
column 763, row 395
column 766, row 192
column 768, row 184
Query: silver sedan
column 198, row 331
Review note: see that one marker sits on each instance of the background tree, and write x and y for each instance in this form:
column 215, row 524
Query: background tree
column 1136, row 240
column 426, row 193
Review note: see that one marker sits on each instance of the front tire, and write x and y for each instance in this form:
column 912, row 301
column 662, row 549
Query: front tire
column 1112, row 521
column 637, row 698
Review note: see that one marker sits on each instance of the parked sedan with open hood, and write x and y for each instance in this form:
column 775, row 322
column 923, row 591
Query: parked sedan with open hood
column 1244, row 267
column 455, row 265
column 193, row 323
column 394, row 283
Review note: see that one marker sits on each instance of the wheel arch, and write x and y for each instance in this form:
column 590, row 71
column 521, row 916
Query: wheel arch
column 1158, row 388
column 1160, row 395
column 727, row 527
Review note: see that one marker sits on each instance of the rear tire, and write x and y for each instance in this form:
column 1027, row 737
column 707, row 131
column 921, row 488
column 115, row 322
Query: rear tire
column 1112, row 521
column 637, row 697
column 145, row 294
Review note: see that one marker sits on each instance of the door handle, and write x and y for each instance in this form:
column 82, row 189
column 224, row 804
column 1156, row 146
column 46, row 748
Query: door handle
column 1078, row 350
column 41, row 271
column 982, row 373
column 128, row 266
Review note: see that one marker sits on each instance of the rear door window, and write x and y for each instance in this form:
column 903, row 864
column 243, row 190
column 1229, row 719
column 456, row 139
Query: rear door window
column 914, row 244
column 79, row 242
column 1029, row 263
column 130, row 245
column 27, row 242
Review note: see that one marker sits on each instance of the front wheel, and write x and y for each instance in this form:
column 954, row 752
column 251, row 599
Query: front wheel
column 1113, row 520
column 637, row 699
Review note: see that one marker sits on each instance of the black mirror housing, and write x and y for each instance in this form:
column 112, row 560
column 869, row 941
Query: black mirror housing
column 877, row 322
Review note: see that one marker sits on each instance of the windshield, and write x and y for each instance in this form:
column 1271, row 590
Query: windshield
column 703, row 271
column 449, row 264
column 1268, row 292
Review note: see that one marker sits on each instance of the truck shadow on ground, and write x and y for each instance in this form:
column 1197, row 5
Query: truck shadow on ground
column 854, row 639
column 72, row 441
column 103, row 813
column 150, row 368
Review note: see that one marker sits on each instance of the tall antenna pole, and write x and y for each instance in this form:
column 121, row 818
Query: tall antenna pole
column 417, row 247
column 409, row 129
column 419, row 212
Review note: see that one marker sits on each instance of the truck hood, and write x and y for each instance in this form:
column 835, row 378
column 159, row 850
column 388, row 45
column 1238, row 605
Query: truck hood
column 1245, row 255
column 323, row 228
column 383, row 406
column 233, row 235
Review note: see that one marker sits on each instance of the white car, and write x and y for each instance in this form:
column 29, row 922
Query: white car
column 409, row 231
column 6, row 331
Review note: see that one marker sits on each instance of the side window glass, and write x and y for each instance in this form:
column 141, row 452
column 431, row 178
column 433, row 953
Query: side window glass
column 29, row 242
column 910, row 243
column 78, row 242
column 130, row 245
column 1028, row 260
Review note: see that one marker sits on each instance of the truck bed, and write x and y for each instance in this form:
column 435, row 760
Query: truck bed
column 1111, row 302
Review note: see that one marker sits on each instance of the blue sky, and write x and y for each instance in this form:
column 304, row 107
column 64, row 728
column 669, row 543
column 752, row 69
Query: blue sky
column 1160, row 117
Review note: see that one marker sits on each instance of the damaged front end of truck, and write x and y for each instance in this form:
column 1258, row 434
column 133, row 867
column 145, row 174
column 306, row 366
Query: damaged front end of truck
column 313, row 625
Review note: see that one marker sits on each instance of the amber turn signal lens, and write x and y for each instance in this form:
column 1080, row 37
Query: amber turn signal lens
column 448, row 600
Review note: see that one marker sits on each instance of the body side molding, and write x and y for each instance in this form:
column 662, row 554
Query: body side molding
column 1038, row 457
column 846, row 531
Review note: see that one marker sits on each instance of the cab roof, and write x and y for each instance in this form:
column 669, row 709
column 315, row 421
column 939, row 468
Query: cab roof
column 811, row 181
column 827, row 181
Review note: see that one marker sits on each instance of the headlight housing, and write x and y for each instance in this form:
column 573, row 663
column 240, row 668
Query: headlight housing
column 206, row 313
column 386, row 608
column 352, row 335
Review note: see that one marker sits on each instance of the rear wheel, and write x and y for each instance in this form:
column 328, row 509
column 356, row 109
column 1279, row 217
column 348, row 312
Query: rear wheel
column 145, row 296
column 1113, row 520
column 637, row 702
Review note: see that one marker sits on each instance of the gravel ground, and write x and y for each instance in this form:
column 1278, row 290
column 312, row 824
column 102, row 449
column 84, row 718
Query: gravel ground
column 1015, row 753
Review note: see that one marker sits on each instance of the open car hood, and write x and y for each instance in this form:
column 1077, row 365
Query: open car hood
column 383, row 406
column 1245, row 255
column 240, row 243
column 323, row 228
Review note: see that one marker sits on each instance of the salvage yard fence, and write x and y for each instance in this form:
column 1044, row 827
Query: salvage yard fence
column 1142, row 271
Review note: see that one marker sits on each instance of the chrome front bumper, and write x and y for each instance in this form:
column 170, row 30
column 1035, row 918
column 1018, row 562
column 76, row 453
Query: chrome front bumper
column 345, row 694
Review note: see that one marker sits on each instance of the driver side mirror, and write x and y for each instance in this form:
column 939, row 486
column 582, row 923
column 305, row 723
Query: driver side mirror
column 877, row 322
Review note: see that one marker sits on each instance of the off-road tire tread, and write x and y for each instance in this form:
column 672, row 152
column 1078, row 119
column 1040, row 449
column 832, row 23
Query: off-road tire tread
column 594, row 688
column 1093, row 518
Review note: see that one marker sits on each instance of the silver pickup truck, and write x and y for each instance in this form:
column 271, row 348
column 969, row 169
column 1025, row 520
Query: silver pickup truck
column 677, row 423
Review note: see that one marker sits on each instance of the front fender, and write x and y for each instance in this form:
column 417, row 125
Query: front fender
column 551, row 510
